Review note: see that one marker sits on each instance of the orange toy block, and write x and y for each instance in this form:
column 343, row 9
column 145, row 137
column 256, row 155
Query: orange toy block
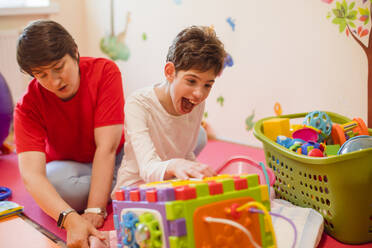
column 222, row 235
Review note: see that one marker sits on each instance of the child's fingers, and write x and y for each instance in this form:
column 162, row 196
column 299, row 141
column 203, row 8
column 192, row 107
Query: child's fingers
column 97, row 233
column 195, row 173
column 180, row 174
column 94, row 242
column 205, row 170
column 209, row 172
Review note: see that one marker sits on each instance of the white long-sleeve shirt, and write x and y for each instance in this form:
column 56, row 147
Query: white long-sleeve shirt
column 153, row 138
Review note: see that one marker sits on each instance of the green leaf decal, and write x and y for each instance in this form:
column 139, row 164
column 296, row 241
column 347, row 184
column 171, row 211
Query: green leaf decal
column 366, row 21
column 342, row 27
column 338, row 20
column 352, row 15
column 220, row 100
column 351, row 6
column 337, row 13
column 352, row 24
column 249, row 123
column 344, row 6
column 363, row 11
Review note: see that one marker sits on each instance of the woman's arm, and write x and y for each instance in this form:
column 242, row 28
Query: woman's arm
column 32, row 168
column 107, row 139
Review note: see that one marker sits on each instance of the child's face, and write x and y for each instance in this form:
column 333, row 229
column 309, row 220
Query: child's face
column 190, row 88
column 60, row 77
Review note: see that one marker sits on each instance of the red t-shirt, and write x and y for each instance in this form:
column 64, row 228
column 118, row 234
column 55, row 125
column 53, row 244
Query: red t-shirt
column 64, row 130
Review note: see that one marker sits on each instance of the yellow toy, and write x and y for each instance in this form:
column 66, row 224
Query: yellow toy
column 276, row 126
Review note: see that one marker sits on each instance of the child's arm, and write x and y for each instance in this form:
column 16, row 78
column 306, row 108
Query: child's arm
column 150, row 166
column 191, row 156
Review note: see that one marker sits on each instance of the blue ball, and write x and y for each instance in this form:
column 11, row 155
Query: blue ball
column 319, row 120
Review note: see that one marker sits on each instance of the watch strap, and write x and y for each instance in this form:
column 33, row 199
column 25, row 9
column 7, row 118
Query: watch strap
column 62, row 217
column 100, row 211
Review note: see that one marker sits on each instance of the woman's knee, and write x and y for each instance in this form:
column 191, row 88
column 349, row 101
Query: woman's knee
column 71, row 180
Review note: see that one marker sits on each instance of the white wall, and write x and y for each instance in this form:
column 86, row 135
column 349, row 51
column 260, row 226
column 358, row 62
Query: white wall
column 283, row 51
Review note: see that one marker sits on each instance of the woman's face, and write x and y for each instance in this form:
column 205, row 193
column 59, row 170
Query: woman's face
column 60, row 77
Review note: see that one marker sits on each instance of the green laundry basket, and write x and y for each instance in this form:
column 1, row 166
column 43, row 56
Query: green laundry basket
column 338, row 187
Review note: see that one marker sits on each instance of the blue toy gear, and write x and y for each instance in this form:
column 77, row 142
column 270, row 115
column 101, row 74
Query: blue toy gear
column 128, row 224
column 319, row 120
column 148, row 233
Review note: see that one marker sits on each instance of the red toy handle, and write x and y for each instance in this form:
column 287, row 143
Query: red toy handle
column 250, row 161
column 237, row 159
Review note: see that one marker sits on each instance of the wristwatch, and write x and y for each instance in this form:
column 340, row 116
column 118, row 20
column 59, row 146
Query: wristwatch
column 100, row 211
column 62, row 217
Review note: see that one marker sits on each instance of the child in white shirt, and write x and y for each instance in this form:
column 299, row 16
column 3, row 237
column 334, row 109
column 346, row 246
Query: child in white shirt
column 162, row 122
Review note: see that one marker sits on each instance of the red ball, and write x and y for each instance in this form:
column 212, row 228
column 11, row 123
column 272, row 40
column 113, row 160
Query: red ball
column 315, row 153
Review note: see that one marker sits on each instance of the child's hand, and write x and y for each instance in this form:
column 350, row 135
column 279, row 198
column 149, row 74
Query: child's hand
column 184, row 169
column 95, row 242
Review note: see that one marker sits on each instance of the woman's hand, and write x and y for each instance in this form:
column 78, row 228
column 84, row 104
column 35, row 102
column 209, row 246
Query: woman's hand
column 184, row 169
column 97, row 220
column 78, row 231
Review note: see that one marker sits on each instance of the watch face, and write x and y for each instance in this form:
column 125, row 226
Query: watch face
column 62, row 217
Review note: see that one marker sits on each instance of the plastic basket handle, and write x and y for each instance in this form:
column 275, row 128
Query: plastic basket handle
column 249, row 160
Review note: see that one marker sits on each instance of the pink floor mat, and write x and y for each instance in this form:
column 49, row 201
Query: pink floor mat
column 10, row 177
column 214, row 154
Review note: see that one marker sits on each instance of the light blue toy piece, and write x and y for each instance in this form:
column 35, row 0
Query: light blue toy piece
column 130, row 220
column 283, row 141
column 355, row 144
column 288, row 142
column 319, row 120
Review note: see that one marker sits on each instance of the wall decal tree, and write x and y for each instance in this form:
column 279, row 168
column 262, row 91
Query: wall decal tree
column 355, row 22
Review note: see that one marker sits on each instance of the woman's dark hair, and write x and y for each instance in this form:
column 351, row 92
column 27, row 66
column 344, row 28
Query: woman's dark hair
column 197, row 47
column 43, row 42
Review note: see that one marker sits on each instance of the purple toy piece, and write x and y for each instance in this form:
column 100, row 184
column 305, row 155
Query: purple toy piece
column 177, row 227
column 306, row 134
column 166, row 194
column 6, row 109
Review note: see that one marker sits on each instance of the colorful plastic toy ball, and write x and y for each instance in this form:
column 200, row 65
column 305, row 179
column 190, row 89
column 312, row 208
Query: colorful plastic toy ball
column 319, row 120
column 315, row 153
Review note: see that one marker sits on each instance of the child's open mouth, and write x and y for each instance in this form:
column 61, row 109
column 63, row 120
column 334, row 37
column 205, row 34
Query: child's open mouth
column 187, row 105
